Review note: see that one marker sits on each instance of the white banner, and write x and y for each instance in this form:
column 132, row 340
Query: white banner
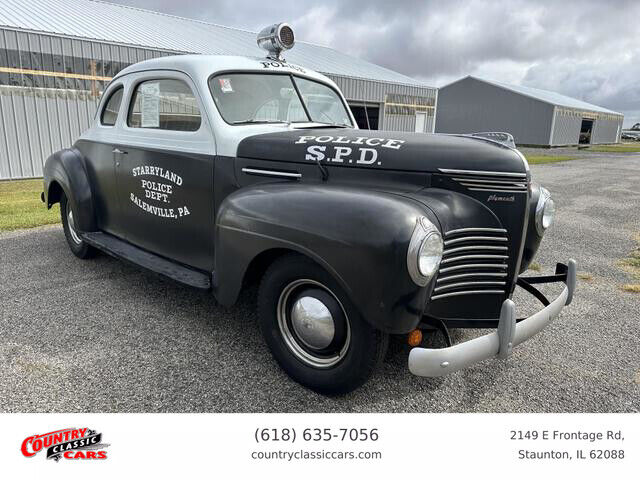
column 313, row 446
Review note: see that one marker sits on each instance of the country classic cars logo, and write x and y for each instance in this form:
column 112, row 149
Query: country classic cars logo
column 70, row 443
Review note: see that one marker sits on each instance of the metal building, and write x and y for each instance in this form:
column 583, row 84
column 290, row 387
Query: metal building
column 56, row 56
column 532, row 116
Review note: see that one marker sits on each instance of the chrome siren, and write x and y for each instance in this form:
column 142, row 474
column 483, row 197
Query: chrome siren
column 276, row 38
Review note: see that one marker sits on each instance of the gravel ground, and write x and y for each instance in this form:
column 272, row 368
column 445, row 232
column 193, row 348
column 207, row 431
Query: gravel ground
column 103, row 336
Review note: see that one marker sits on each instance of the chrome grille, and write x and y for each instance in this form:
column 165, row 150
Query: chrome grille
column 474, row 262
column 475, row 180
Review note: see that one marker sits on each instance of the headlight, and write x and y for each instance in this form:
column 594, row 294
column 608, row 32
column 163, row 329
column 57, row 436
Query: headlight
column 425, row 252
column 545, row 211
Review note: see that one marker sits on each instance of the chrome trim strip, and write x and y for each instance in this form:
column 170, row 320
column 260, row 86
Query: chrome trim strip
column 475, row 239
column 478, row 172
column 470, row 257
column 474, row 265
column 271, row 173
column 473, row 229
column 474, row 247
column 469, row 284
column 484, row 180
column 501, row 191
column 494, row 187
column 467, row 275
column 468, row 292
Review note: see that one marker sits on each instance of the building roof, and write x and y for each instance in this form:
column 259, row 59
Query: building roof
column 103, row 21
column 545, row 96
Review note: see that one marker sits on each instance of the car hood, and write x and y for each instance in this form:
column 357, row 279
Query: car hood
column 375, row 149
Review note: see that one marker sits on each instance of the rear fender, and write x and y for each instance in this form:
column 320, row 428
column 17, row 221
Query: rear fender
column 65, row 170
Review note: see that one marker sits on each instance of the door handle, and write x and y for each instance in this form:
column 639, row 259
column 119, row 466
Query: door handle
column 118, row 151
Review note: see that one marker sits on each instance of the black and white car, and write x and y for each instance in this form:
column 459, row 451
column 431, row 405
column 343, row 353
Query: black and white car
column 217, row 171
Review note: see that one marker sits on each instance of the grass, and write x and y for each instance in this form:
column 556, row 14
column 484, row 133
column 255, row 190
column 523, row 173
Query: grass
column 631, row 265
column 20, row 206
column 542, row 159
column 585, row 276
column 618, row 148
column 535, row 266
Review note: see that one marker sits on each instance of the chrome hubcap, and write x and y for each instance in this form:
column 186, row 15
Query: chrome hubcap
column 72, row 227
column 313, row 323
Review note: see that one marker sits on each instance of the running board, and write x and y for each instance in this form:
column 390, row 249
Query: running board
column 122, row 250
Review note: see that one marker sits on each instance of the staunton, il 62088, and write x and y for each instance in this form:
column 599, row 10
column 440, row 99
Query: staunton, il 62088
column 216, row 171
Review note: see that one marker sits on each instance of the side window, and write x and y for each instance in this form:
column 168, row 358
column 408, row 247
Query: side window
column 110, row 111
column 164, row 104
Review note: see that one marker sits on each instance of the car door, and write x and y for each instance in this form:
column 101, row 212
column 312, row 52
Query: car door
column 97, row 145
column 164, row 170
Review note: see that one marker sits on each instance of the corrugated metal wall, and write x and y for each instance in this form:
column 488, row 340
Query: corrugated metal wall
column 607, row 129
column 42, row 113
column 403, row 119
column 470, row 105
column 567, row 124
column 566, row 128
column 36, row 122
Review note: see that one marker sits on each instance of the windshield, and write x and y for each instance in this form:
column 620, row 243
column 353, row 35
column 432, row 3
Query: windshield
column 268, row 98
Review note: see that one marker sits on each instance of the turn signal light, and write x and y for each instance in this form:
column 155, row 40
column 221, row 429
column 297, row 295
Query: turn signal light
column 415, row 338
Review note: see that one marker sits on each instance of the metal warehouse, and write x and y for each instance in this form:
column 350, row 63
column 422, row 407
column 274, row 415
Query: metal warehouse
column 56, row 56
column 532, row 116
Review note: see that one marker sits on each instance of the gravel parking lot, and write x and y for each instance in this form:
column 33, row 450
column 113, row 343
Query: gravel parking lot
column 103, row 336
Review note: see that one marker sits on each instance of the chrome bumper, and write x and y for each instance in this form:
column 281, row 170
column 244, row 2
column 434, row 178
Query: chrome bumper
column 429, row 362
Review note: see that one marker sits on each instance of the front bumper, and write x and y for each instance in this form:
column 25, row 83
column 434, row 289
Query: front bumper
column 429, row 362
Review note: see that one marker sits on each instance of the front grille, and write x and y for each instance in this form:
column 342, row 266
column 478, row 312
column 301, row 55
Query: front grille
column 474, row 262
column 474, row 180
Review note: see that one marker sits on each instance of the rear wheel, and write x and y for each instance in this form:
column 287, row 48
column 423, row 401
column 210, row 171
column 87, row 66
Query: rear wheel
column 313, row 330
column 78, row 246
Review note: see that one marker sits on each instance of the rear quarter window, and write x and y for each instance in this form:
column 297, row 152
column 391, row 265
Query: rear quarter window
column 111, row 108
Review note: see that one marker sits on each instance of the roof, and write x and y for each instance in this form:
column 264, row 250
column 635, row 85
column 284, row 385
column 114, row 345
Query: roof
column 103, row 21
column 544, row 96
column 202, row 66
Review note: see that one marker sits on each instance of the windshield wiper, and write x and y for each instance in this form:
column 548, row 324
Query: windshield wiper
column 325, row 125
column 329, row 125
column 253, row 120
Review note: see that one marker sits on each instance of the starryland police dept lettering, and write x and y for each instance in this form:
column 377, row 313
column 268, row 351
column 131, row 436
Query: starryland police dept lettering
column 70, row 443
column 159, row 191
column 358, row 150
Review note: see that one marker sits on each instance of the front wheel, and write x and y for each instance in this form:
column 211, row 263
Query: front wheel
column 313, row 330
column 78, row 246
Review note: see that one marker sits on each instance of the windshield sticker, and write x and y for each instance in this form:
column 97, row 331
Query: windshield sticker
column 150, row 105
column 225, row 85
column 159, row 192
column 341, row 150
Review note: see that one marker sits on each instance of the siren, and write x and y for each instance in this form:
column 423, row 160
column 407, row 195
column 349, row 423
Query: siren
column 276, row 38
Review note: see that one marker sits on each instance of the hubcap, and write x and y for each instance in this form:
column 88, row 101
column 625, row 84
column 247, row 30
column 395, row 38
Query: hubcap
column 313, row 323
column 72, row 226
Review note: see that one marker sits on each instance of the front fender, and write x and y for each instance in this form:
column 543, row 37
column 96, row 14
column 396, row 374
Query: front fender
column 67, row 169
column 359, row 236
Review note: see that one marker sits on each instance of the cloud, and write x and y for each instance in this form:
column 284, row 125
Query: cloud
column 588, row 49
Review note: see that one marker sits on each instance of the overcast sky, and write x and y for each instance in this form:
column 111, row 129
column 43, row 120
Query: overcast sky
column 587, row 49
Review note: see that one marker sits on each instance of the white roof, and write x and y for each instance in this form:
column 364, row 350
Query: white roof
column 98, row 20
column 202, row 66
column 544, row 96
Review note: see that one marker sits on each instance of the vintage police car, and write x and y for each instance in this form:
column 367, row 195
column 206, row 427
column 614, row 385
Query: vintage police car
column 216, row 171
